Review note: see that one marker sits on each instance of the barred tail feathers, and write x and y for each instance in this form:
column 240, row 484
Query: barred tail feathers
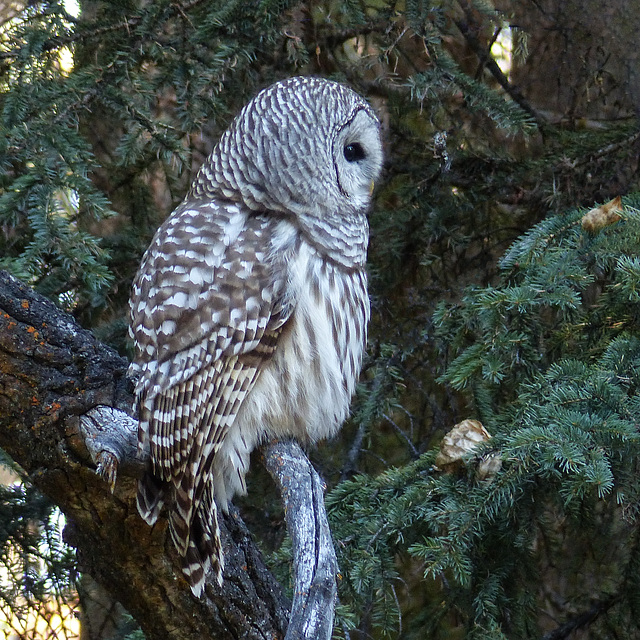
column 150, row 498
column 198, row 541
column 193, row 528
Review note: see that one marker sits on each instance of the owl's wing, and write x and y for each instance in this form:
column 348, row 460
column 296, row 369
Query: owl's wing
column 206, row 310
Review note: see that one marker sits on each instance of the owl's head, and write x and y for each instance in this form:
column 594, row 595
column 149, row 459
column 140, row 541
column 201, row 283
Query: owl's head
column 304, row 146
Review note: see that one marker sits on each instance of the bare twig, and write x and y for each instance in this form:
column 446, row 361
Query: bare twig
column 484, row 55
column 415, row 454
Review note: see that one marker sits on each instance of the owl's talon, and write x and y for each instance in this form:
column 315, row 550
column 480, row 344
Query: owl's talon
column 107, row 468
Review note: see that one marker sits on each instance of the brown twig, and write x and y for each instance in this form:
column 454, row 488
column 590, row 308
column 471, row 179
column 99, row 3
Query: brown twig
column 468, row 30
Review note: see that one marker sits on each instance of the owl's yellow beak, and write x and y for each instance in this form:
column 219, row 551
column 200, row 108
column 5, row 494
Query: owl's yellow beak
column 371, row 187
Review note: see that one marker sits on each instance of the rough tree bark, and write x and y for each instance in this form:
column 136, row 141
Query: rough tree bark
column 64, row 404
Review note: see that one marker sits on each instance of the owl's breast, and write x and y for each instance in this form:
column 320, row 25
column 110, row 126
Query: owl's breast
column 305, row 389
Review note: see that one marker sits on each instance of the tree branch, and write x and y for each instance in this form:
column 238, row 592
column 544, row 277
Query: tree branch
column 92, row 32
column 582, row 619
column 64, row 403
column 468, row 29
column 314, row 557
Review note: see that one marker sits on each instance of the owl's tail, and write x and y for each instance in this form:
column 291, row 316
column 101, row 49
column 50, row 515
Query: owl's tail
column 196, row 536
column 198, row 541
column 150, row 498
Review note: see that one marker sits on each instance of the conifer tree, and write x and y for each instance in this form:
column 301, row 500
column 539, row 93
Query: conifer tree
column 494, row 298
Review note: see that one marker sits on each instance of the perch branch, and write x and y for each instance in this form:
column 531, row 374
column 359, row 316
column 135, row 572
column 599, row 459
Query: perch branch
column 64, row 400
column 111, row 438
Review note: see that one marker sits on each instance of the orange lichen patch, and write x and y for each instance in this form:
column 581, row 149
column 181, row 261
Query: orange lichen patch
column 53, row 410
column 35, row 401
column 33, row 331
column 25, row 304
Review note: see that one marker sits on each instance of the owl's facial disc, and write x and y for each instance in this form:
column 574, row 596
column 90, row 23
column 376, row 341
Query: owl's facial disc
column 357, row 157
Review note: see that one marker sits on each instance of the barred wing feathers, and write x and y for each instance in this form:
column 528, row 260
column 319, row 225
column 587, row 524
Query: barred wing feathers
column 208, row 305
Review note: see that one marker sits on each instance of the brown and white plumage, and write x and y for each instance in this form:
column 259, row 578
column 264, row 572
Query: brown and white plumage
column 249, row 310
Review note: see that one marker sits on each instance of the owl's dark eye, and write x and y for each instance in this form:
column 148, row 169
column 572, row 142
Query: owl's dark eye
column 353, row 152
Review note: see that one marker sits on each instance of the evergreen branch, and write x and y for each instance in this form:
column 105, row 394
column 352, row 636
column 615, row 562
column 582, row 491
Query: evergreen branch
column 57, row 42
column 339, row 36
column 371, row 408
column 600, row 153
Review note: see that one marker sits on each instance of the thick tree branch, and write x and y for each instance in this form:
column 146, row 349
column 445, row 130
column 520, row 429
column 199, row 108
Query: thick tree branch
column 64, row 400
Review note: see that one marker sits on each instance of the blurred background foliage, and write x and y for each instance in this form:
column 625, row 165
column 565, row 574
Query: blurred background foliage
column 504, row 122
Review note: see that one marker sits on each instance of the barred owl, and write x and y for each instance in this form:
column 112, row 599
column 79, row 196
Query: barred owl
column 249, row 312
